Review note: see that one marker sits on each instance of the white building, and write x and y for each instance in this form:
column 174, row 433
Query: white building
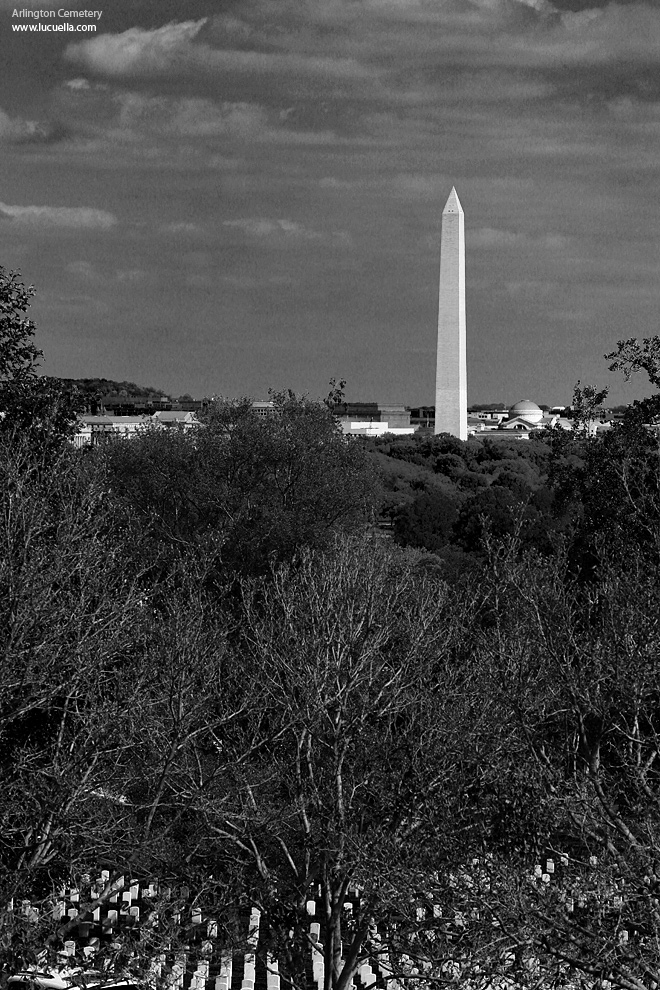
column 175, row 417
column 373, row 428
column 100, row 429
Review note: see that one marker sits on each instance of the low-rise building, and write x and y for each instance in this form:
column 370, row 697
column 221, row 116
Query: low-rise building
column 93, row 429
column 525, row 417
column 263, row 408
column 369, row 428
column 373, row 419
column 100, row 429
column 176, row 417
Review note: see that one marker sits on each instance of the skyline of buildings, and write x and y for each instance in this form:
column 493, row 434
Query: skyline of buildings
column 355, row 419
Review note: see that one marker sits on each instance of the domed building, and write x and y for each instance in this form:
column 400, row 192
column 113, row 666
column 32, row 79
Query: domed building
column 527, row 411
column 525, row 416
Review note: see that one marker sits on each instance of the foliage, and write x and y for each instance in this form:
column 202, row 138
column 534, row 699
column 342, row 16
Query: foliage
column 496, row 511
column 40, row 410
column 215, row 670
column 110, row 694
column 355, row 731
column 427, row 521
column 43, row 407
column 610, row 488
column 242, row 489
column 445, row 495
column 107, row 386
column 346, row 719
column 335, row 396
column 18, row 353
column 631, row 356
column 93, row 390
column 587, row 718
column 62, row 604
column 587, row 401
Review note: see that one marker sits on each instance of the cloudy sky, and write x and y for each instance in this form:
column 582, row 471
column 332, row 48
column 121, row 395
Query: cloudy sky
column 219, row 196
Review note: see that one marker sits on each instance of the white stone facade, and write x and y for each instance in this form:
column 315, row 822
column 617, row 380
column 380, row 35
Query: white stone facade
column 451, row 367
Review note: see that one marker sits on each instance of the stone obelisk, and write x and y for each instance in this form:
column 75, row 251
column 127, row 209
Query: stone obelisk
column 451, row 367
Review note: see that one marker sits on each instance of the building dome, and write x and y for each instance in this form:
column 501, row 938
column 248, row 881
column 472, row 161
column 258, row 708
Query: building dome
column 527, row 410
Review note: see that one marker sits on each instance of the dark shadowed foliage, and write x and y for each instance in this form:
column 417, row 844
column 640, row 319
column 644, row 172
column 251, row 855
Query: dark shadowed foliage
column 244, row 490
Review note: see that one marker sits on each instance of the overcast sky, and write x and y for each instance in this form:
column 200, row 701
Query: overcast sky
column 219, row 196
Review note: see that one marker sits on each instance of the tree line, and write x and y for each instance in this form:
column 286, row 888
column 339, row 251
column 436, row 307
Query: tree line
column 217, row 670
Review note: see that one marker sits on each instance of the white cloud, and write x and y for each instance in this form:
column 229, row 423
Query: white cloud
column 542, row 6
column 173, row 48
column 18, row 129
column 59, row 216
column 267, row 228
column 523, row 34
column 503, row 6
column 138, row 51
column 77, row 84
column 287, row 229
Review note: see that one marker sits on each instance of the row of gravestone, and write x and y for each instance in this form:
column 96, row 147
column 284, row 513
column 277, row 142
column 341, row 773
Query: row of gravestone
column 577, row 895
column 199, row 966
column 202, row 966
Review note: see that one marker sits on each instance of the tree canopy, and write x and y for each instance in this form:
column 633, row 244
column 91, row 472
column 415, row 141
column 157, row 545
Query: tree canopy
column 41, row 406
column 244, row 489
column 19, row 355
column 219, row 672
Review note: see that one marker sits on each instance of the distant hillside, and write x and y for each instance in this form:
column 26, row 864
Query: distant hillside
column 97, row 387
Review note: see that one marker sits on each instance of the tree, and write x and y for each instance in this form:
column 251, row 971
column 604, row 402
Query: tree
column 42, row 409
column 18, row 353
column 313, row 738
column 496, row 511
column 609, row 487
column 67, row 612
column 586, row 722
column 335, row 396
column 243, row 489
column 427, row 521
column 631, row 357
column 112, row 701
column 587, row 400
column 354, row 776
column 45, row 407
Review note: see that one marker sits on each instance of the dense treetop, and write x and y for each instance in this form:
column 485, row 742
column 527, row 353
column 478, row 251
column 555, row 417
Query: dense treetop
column 98, row 387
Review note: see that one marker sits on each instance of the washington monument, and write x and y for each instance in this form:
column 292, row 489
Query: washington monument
column 451, row 371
